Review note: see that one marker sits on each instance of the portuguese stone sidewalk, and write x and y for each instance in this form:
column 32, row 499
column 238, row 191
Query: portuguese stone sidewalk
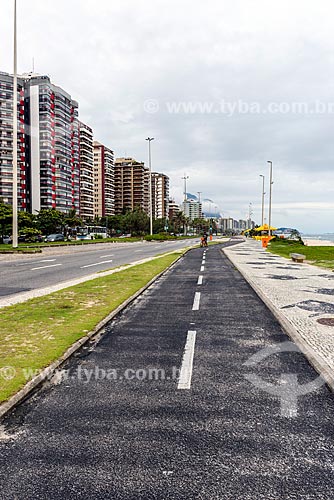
column 299, row 295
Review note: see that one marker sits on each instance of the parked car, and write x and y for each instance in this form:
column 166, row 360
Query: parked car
column 55, row 237
column 7, row 240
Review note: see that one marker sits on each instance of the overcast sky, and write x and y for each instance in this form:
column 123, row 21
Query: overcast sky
column 235, row 72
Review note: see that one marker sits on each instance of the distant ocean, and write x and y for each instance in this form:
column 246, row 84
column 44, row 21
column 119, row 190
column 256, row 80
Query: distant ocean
column 324, row 236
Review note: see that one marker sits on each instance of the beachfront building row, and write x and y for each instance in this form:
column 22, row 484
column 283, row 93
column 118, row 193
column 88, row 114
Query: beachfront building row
column 48, row 144
column 132, row 188
column 59, row 163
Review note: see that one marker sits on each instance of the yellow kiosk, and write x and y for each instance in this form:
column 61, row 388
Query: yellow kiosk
column 264, row 234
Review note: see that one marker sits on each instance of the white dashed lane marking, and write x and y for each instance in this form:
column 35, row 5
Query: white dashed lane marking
column 197, row 299
column 96, row 264
column 200, row 280
column 45, row 267
column 187, row 361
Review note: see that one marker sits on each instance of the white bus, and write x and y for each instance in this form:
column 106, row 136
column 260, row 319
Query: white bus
column 91, row 232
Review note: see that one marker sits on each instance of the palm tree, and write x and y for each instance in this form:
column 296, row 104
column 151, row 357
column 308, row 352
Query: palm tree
column 179, row 221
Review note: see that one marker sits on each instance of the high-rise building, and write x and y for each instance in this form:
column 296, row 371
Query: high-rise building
column 53, row 145
column 48, row 144
column 131, row 185
column 104, row 176
column 86, row 172
column 6, row 141
column 160, row 195
column 192, row 209
column 173, row 209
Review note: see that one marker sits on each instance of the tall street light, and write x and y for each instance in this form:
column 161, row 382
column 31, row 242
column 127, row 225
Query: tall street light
column 185, row 187
column 15, row 231
column 149, row 139
column 263, row 193
column 185, row 201
column 270, row 193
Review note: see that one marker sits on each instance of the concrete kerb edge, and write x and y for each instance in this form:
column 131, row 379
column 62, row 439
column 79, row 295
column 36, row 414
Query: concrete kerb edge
column 33, row 384
column 318, row 363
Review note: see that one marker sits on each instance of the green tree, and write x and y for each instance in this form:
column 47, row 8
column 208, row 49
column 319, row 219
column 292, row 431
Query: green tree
column 179, row 221
column 26, row 220
column 6, row 215
column 159, row 225
column 137, row 222
column 116, row 223
column 72, row 219
column 50, row 221
column 200, row 225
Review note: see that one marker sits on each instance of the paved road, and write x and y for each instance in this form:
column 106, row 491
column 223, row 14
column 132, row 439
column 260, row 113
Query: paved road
column 125, row 436
column 22, row 275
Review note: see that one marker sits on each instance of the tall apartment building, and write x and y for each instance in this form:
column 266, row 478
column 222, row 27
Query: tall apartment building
column 131, row 185
column 104, row 181
column 160, row 195
column 6, row 141
column 48, row 144
column 86, row 172
column 192, row 209
column 173, row 209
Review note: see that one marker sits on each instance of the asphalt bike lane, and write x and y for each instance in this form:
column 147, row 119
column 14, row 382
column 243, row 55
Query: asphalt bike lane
column 165, row 406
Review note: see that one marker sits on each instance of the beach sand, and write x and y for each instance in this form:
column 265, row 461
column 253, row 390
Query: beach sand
column 318, row 243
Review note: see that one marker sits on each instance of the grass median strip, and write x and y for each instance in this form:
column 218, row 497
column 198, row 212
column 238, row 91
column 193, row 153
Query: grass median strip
column 37, row 332
column 321, row 256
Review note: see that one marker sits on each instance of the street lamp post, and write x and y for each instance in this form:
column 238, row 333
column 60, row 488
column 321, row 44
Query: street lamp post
column 185, row 187
column 263, row 193
column 185, row 200
column 270, row 193
column 149, row 139
column 15, row 231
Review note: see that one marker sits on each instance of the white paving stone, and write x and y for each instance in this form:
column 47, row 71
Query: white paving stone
column 296, row 302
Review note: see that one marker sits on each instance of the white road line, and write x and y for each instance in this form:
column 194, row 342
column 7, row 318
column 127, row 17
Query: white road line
column 203, row 262
column 187, row 362
column 104, row 256
column 97, row 264
column 200, row 280
column 136, row 251
column 45, row 267
column 202, row 269
column 47, row 260
column 197, row 298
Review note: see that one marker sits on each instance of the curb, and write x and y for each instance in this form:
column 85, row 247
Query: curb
column 45, row 374
column 317, row 362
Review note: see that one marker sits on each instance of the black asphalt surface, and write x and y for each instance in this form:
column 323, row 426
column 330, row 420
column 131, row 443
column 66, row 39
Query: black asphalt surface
column 44, row 270
column 144, row 439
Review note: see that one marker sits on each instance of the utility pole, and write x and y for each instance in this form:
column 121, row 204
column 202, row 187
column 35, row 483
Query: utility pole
column 270, row 194
column 185, row 187
column 263, row 193
column 15, row 230
column 199, row 205
column 149, row 139
column 185, row 201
